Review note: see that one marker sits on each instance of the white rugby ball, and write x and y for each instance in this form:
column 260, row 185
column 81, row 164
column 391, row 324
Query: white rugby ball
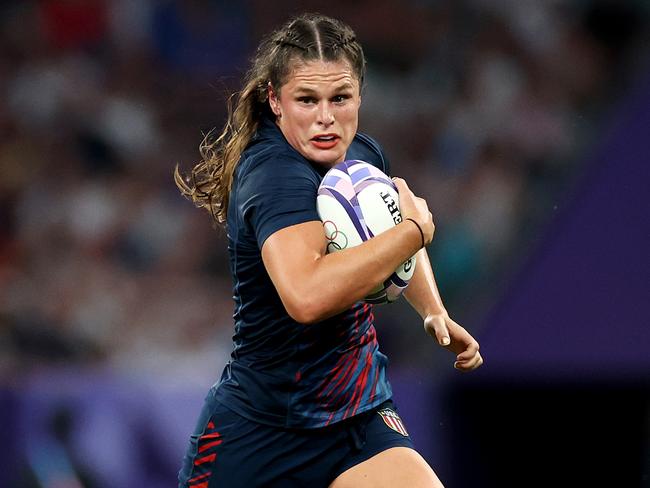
column 357, row 201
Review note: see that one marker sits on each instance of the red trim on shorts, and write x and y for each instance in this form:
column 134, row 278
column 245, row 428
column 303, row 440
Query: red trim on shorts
column 207, row 446
column 205, row 459
column 200, row 477
column 214, row 435
column 206, row 449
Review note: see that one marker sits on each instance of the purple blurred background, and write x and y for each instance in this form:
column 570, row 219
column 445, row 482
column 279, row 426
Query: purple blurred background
column 524, row 123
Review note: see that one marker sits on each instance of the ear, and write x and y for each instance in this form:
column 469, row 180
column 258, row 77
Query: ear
column 274, row 103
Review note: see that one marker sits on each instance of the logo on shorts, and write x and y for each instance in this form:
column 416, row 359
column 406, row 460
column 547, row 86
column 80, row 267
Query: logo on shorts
column 392, row 420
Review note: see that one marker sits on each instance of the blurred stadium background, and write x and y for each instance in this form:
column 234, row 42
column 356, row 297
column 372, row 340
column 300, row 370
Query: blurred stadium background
column 525, row 124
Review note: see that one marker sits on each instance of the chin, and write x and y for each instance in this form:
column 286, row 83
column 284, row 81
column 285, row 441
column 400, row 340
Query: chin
column 326, row 159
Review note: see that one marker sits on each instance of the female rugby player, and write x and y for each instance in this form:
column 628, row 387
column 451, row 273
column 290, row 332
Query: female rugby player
column 304, row 399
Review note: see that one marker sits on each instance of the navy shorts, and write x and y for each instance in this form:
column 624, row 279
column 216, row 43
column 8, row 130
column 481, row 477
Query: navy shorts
column 230, row 451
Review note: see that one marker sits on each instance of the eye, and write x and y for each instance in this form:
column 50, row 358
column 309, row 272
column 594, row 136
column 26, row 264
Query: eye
column 307, row 100
column 340, row 98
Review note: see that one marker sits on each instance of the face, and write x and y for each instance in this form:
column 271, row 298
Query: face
column 317, row 110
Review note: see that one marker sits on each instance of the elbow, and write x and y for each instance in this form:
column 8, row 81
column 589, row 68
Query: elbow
column 304, row 315
column 307, row 310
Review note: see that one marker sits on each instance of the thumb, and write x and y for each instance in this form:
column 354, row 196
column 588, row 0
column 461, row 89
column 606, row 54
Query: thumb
column 437, row 328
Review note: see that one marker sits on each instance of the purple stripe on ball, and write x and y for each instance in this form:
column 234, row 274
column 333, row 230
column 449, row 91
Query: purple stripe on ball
column 369, row 181
column 359, row 175
column 353, row 214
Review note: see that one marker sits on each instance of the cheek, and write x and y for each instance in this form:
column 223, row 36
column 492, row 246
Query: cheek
column 299, row 119
column 292, row 123
column 350, row 118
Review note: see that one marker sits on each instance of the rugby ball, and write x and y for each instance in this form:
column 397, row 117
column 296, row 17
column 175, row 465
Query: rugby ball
column 357, row 201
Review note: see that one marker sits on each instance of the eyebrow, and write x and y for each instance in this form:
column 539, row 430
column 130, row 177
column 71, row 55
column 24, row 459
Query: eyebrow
column 309, row 91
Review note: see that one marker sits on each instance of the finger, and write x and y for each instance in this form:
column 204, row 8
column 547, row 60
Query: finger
column 469, row 365
column 400, row 184
column 438, row 329
column 442, row 333
column 470, row 351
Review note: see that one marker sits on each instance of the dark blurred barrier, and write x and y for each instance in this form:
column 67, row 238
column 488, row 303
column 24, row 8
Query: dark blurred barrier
column 565, row 397
column 541, row 434
column 94, row 429
column 106, row 430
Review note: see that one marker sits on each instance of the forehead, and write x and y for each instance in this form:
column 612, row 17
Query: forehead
column 320, row 74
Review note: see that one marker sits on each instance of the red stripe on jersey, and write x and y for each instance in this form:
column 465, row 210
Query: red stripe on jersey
column 357, row 394
column 329, row 419
column 341, row 373
column 205, row 459
column 373, row 389
column 201, row 485
column 210, row 425
column 364, row 381
column 371, row 316
column 356, row 318
column 348, row 383
column 337, row 367
column 335, row 390
column 352, row 360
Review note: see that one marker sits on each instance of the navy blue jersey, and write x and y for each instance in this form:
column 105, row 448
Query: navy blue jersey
column 281, row 372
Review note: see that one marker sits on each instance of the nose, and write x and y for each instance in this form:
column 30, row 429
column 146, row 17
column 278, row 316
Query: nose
column 325, row 114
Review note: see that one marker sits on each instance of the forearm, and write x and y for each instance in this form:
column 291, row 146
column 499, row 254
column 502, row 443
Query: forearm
column 355, row 272
column 422, row 292
column 315, row 285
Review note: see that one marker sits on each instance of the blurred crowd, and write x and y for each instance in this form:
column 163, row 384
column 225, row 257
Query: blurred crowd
column 487, row 108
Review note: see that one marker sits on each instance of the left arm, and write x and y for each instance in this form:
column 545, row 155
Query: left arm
column 423, row 295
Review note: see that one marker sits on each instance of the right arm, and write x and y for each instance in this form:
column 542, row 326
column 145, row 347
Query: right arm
column 314, row 285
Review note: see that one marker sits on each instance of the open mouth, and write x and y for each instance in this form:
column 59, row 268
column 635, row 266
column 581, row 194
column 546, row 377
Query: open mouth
column 325, row 141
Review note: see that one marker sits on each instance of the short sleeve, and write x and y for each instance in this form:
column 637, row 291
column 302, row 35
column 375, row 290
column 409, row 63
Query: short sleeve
column 277, row 193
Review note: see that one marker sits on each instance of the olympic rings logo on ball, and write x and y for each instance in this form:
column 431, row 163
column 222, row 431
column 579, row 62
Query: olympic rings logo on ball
column 332, row 234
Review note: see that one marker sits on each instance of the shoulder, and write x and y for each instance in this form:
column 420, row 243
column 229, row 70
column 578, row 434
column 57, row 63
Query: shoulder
column 367, row 149
column 273, row 176
column 274, row 187
column 272, row 161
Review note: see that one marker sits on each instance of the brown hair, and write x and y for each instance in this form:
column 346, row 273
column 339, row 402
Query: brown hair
column 305, row 38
